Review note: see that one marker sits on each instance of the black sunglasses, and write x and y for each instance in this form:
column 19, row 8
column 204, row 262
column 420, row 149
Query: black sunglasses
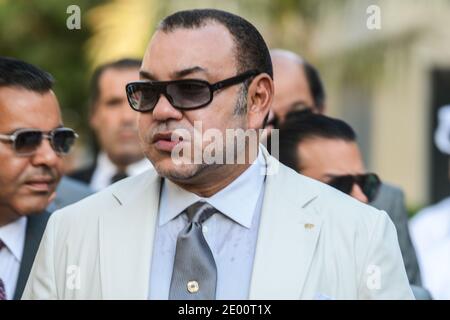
column 182, row 94
column 369, row 184
column 26, row 141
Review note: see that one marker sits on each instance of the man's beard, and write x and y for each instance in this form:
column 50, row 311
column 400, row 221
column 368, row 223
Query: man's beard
column 182, row 172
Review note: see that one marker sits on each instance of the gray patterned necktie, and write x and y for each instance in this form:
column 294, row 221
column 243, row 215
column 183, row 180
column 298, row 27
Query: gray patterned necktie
column 194, row 275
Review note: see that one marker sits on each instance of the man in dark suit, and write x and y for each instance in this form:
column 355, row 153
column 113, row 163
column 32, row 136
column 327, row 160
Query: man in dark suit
column 32, row 144
column 114, row 125
column 391, row 199
column 298, row 86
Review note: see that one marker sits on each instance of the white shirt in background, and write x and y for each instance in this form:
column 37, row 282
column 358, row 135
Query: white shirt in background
column 105, row 170
column 430, row 234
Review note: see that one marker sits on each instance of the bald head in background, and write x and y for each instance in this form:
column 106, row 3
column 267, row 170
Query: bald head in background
column 297, row 84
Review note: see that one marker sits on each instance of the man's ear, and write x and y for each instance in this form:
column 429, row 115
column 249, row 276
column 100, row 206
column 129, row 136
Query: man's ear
column 260, row 96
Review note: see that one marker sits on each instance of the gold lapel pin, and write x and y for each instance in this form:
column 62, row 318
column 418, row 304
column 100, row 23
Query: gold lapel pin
column 193, row 286
column 309, row 226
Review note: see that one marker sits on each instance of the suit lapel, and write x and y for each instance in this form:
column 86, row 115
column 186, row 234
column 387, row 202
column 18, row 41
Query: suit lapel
column 287, row 238
column 126, row 238
column 35, row 228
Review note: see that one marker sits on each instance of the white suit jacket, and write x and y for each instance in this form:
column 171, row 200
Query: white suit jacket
column 313, row 242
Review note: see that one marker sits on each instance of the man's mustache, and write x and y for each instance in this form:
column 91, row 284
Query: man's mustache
column 164, row 128
column 43, row 172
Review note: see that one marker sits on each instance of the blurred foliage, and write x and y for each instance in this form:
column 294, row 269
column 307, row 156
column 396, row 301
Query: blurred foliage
column 121, row 28
column 36, row 31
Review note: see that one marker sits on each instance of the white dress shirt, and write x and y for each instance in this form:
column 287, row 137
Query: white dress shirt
column 105, row 170
column 13, row 236
column 231, row 235
column 430, row 234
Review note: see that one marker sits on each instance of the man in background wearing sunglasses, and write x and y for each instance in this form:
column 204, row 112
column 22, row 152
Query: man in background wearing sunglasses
column 325, row 149
column 298, row 85
column 201, row 230
column 32, row 143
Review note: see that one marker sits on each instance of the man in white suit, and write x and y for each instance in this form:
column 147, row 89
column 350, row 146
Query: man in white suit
column 254, row 230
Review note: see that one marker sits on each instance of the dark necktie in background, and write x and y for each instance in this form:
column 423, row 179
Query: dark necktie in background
column 118, row 176
column 194, row 275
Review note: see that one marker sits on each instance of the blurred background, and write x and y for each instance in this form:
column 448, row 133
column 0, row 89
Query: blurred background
column 388, row 83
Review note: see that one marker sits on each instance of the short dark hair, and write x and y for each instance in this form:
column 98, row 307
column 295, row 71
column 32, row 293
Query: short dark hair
column 251, row 49
column 315, row 85
column 303, row 125
column 94, row 92
column 18, row 73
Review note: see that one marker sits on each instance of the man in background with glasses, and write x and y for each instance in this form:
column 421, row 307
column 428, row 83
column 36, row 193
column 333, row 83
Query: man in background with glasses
column 214, row 230
column 32, row 144
column 325, row 149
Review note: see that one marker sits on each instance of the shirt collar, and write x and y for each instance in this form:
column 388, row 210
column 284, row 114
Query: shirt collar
column 13, row 236
column 246, row 188
column 138, row 167
column 105, row 165
column 109, row 169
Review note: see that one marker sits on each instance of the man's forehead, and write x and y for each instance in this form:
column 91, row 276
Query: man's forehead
column 22, row 108
column 202, row 50
column 208, row 33
column 118, row 76
column 177, row 73
column 15, row 95
column 336, row 156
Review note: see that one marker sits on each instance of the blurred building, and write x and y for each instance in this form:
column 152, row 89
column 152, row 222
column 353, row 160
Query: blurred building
column 388, row 83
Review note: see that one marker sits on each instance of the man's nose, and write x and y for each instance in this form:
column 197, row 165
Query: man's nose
column 164, row 110
column 358, row 194
column 45, row 155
